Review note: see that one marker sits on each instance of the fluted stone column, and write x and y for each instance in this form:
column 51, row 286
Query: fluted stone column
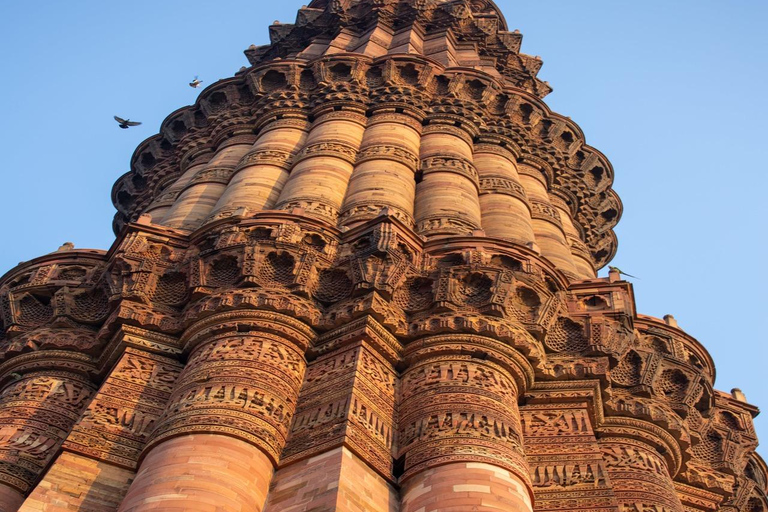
column 98, row 460
column 228, row 418
column 447, row 198
column 203, row 191
column 503, row 201
column 191, row 165
column 44, row 395
column 321, row 172
column 547, row 224
column 386, row 165
column 582, row 259
column 641, row 476
column 263, row 172
column 459, row 424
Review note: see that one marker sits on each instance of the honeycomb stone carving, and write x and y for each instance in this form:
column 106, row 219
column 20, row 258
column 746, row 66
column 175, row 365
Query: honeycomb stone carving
column 475, row 289
column 333, row 286
column 91, row 306
column 223, row 272
column 567, row 336
column 416, row 295
column 361, row 274
column 277, row 269
column 37, row 411
column 35, row 310
column 674, row 385
column 629, row 371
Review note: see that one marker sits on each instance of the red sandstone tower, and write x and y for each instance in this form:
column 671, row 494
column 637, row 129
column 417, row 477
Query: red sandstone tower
column 361, row 276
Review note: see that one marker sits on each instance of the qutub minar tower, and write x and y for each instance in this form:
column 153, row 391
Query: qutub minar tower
column 361, row 276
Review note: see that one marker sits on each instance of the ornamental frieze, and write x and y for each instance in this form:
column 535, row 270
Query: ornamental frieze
column 500, row 185
column 448, row 164
column 266, row 157
column 385, row 152
column 367, row 261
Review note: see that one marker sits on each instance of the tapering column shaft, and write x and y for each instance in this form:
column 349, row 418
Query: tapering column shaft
column 460, row 432
column 640, row 476
column 582, row 259
column 384, row 174
column 447, row 198
column 263, row 172
column 547, row 225
column 320, row 175
column 203, row 190
column 503, row 201
column 37, row 411
column 160, row 207
column 201, row 473
column 228, row 418
column 459, row 487
column 103, row 449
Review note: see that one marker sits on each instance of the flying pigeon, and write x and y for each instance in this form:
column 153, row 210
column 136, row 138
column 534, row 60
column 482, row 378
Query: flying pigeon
column 126, row 123
column 195, row 83
column 617, row 269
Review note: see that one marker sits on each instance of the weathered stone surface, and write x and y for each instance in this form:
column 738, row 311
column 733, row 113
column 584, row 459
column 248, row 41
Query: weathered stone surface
column 360, row 276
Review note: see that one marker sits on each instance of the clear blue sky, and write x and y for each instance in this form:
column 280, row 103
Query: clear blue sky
column 673, row 92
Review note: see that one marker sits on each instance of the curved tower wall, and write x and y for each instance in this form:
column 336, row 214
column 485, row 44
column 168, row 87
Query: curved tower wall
column 359, row 275
column 419, row 164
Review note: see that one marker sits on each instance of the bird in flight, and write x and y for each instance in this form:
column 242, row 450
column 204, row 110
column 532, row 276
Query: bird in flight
column 195, row 83
column 126, row 123
column 617, row 269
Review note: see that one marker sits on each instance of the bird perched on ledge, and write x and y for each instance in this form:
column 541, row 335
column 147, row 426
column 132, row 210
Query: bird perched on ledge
column 617, row 269
column 126, row 123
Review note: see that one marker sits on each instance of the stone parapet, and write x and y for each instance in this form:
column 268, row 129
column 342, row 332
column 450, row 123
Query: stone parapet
column 360, row 276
